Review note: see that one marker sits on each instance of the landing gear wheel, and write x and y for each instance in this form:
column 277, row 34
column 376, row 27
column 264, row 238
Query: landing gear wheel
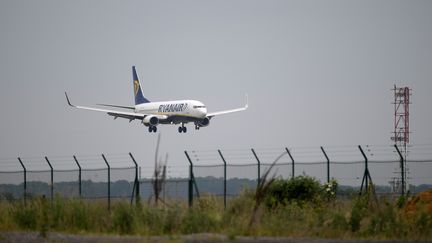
column 152, row 129
column 182, row 129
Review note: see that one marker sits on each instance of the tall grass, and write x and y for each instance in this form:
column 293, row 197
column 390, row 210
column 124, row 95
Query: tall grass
column 341, row 218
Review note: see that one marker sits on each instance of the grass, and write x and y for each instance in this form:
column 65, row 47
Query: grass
column 354, row 218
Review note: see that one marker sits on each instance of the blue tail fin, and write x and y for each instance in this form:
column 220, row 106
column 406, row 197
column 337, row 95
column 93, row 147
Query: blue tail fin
column 138, row 93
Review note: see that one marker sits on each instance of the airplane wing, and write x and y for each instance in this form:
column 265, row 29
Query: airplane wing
column 212, row 114
column 118, row 106
column 127, row 115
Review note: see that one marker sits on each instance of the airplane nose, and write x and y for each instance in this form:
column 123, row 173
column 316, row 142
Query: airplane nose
column 203, row 111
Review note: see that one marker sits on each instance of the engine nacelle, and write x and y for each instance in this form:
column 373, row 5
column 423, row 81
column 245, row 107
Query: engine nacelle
column 204, row 122
column 151, row 120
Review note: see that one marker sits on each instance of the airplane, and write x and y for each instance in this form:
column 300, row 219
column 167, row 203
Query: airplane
column 151, row 114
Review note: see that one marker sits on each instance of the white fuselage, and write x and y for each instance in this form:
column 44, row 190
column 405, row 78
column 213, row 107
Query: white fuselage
column 178, row 108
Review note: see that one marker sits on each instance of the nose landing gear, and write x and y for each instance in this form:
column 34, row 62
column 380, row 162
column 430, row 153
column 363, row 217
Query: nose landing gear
column 152, row 129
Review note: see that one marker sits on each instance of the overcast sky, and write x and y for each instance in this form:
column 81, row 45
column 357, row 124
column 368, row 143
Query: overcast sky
column 317, row 73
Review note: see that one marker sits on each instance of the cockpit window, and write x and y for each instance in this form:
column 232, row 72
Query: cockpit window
column 199, row 106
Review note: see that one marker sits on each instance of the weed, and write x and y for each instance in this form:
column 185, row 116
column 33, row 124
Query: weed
column 423, row 225
column 58, row 212
column 78, row 215
column 124, row 220
column 339, row 222
column 172, row 220
column 25, row 217
column 341, row 218
column 44, row 218
column 401, row 202
column 199, row 222
column 358, row 212
column 383, row 221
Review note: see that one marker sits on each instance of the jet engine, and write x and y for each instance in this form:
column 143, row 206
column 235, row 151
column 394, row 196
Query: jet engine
column 204, row 122
column 151, row 120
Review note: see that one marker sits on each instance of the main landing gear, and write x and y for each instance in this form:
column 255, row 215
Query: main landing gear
column 182, row 129
column 152, row 129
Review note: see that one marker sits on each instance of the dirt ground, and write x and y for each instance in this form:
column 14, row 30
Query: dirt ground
column 19, row 237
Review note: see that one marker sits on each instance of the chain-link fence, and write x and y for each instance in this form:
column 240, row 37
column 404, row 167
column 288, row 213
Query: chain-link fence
column 172, row 189
column 86, row 177
column 223, row 173
column 227, row 172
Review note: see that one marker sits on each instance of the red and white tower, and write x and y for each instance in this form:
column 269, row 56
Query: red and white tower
column 401, row 132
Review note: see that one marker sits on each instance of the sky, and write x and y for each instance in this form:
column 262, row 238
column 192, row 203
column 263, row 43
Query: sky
column 318, row 73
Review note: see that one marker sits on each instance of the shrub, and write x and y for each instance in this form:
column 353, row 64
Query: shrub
column 329, row 189
column 300, row 188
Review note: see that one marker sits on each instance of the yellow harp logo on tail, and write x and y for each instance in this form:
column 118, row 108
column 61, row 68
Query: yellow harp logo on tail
column 136, row 86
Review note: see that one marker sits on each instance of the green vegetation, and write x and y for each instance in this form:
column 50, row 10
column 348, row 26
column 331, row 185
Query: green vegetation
column 301, row 188
column 300, row 207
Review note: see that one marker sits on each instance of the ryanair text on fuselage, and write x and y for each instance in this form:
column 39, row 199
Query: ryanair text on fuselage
column 173, row 107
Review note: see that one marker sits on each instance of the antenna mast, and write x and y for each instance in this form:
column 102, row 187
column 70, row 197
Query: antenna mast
column 401, row 132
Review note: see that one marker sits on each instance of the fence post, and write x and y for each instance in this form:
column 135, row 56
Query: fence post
column 52, row 179
column 328, row 164
column 79, row 175
column 190, row 189
column 225, row 179
column 259, row 167
column 292, row 160
column 25, row 180
column 136, row 182
column 109, row 182
column 402, row 169
column 366, row 176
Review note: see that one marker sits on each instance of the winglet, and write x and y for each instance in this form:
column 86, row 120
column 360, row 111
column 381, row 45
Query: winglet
column 68, row 101
column 247, row 101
